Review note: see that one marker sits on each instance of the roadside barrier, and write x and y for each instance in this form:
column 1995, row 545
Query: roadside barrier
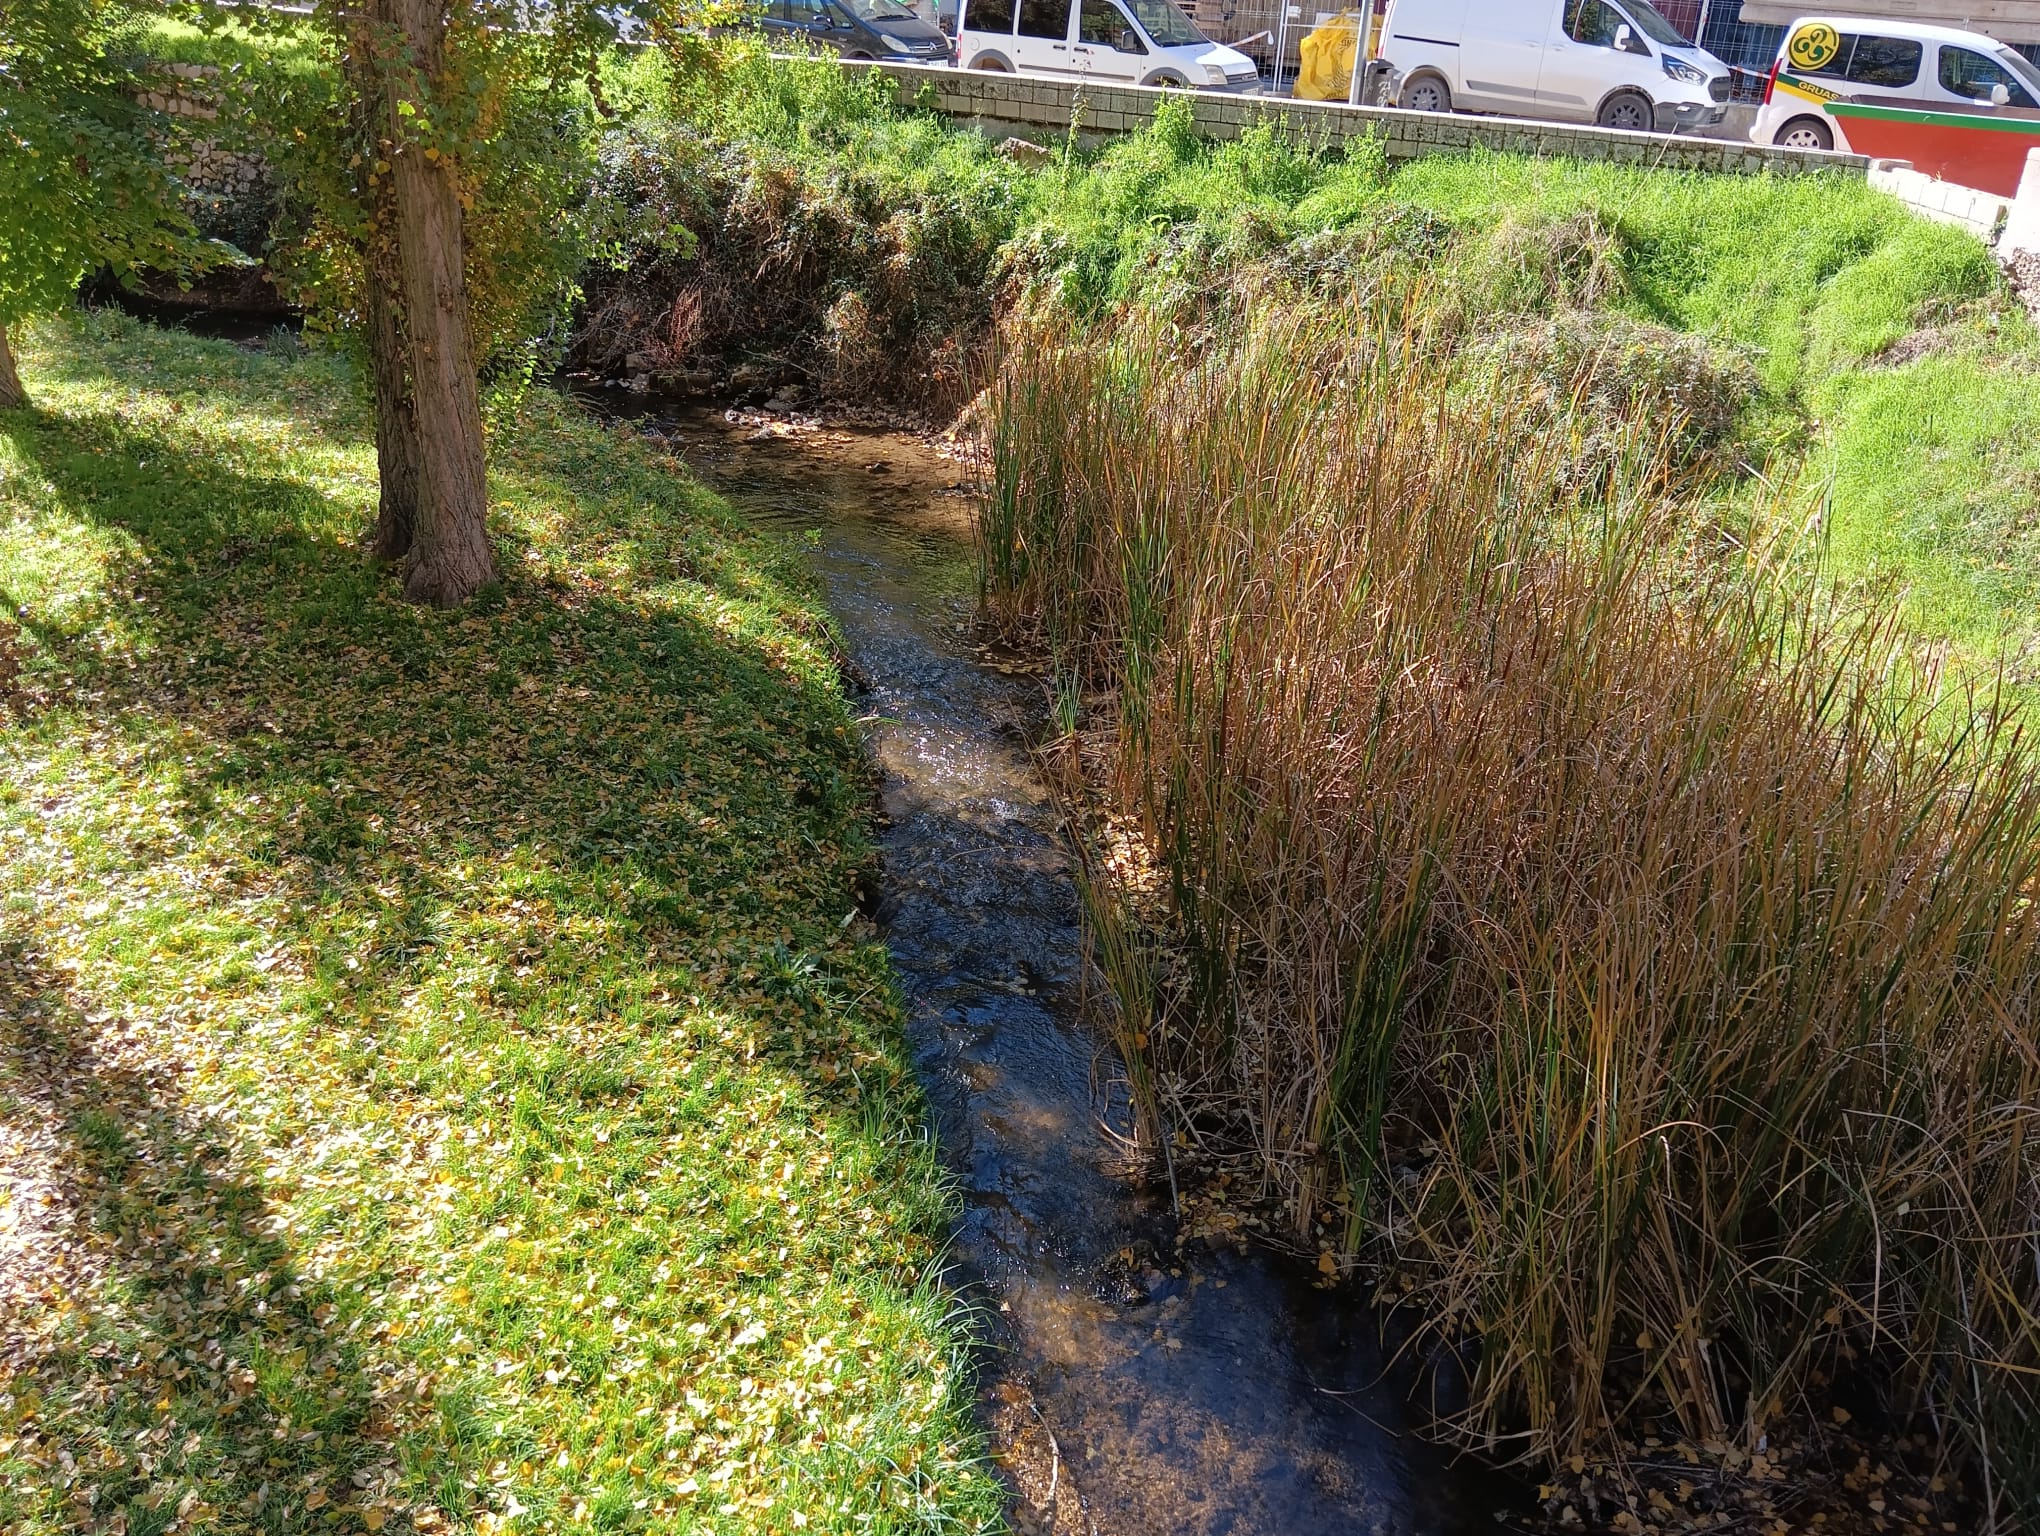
column 1008, row 104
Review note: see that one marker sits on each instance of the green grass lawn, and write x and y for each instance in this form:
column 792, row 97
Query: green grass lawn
column 442, row 1081
column 279, row 43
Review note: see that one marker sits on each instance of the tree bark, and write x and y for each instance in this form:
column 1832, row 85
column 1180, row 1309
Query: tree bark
column 450, row 558
column 396, row 421
column 12, row 394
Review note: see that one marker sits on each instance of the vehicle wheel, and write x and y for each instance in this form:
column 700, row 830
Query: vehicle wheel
column 991, row 64
column 1805, row 133
column 859, row 56
column 1168, row 82
column 1628, row 109
column 1427, row 93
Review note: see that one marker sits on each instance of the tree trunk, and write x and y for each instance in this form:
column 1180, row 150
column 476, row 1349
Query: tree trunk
column 450, row 558
column 12, row 395
column 396, row 422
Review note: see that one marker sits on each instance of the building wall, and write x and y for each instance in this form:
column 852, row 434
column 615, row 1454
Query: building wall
column 2010, row 21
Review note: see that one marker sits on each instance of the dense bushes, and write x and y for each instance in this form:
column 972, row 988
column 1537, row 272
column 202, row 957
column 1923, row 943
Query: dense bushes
column 786, row 211
column 783, row 210
column 1596, row 376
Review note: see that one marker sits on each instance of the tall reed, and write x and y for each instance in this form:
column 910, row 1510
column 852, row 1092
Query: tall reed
column 1635, row 955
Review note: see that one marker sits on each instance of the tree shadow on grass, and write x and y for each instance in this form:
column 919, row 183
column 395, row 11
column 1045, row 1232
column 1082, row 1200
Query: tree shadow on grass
column 587, row 728
column 166, row 1364
column 557, row 813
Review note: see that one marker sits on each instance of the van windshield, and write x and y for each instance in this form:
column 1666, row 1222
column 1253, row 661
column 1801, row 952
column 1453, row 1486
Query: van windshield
column 1167, row 26
column 1650, row 21
column 2022, row 69
column 877, row 10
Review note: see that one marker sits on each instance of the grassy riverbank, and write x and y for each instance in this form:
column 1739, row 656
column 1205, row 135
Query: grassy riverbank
column 781, row 214
column 865, row 249
column 441, row 1081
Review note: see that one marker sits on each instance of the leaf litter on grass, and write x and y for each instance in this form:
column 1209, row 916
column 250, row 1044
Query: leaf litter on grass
column 438, row 1087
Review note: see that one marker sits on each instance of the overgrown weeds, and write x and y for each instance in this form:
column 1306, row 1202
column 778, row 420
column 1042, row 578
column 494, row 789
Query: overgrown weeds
column 786, row 211
column 1631, row 957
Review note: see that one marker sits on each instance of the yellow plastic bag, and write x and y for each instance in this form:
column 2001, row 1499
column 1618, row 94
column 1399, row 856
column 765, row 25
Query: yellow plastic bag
column 1326, row 72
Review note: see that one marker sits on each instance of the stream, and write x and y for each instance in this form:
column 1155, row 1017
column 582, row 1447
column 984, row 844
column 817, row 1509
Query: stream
column 1132, row 1387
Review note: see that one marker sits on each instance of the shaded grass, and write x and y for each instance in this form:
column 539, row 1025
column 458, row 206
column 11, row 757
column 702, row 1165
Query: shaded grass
column 447, row 1037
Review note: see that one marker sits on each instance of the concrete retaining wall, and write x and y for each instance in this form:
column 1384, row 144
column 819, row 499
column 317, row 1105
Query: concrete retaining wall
column 1981, row 213
column 1037, row 106
column 2021, row 238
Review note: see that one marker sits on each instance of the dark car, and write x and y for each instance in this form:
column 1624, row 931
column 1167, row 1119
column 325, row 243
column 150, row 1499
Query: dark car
column 858, row 29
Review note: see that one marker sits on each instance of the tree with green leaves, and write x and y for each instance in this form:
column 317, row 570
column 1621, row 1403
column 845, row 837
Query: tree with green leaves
column 436, row 150
column 83, row 181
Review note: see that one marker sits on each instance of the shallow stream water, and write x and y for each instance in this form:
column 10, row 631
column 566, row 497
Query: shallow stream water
column 1134, row 1388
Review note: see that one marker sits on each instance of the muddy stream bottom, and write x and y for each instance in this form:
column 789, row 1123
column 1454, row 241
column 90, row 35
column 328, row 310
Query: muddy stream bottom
column 1130, row 1387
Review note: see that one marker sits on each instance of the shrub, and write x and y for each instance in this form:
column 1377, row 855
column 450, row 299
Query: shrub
column 1599, row 375
column 793, row 212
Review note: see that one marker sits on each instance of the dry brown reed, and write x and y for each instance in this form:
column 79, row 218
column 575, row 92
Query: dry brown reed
column 1638, row 957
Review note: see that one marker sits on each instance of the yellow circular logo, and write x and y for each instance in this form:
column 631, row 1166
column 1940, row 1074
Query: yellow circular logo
column 1815, row 46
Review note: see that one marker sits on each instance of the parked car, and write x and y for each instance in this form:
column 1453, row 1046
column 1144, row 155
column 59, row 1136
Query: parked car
column 857, row 29
column 1897, row 89
column 1618, row 63
column 1149, row 42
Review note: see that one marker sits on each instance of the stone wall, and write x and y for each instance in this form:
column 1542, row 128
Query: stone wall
column 1019, row 104
column 231, row 192
column 180, row 90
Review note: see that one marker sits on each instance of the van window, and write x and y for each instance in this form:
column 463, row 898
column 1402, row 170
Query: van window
column 1818, row 49
column 988, row 15
column 1044, row 18
column 1891, row 62
column 1592, row 22
column 1965, row 72
column 1651, row 22
column 1167, row 25
column 1103, row 25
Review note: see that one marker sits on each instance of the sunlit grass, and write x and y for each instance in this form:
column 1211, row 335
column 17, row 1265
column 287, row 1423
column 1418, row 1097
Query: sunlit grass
column 449, row 1039
column 282, row 42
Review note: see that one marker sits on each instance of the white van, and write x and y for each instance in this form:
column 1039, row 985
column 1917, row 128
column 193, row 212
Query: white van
column 1618, row 63
column 1149, row 42
column 1841, row 58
